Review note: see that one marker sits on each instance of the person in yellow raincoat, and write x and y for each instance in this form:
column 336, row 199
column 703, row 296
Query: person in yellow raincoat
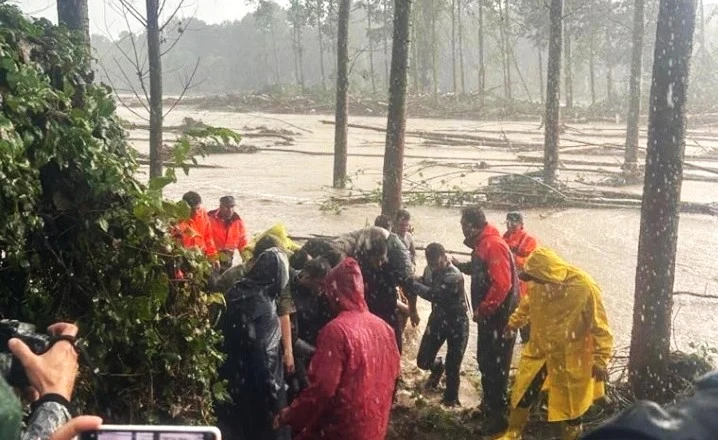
column 569, row 348
column 278, row 231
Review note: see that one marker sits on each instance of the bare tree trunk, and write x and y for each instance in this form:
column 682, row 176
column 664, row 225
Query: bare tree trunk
column 320, row 8
column 74, row 15
column 540, row 65
column 434, row 67
column 385, row 37
column 508, row 49
column 300, row 51
column 553, row 93
column 277, row 64
column 504, row 55
column 342, row 108
column 630, row 164
column 703, row 27
column 155, row 64
column 396, row 120
column 461, row 48
column 453, row 46
column 592, row 70
column 414, row 56
column 610, row 98
column 482, row 67
column 371, row 48
column 295, row 49
column 569, row 71
column 650, row 338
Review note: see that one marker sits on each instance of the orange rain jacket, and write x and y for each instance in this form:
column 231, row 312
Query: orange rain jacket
column 228, row 235
column 197, row 232
column 521, row 245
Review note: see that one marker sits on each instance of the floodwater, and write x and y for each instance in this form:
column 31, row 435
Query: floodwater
column 290, row 186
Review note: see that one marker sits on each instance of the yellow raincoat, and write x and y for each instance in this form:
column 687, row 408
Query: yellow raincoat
column 279, row 231
column 569, row 335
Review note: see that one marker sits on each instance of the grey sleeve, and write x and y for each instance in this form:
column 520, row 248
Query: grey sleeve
column 45, row 420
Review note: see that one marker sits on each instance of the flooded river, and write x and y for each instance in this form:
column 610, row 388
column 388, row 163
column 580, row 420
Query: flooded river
column 289, row 186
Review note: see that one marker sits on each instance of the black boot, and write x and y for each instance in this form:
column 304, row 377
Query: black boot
column 436, row 371
column 496, row 423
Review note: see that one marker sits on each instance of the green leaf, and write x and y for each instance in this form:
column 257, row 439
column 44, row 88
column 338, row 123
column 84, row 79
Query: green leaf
column 157, row 183
column 103, row 224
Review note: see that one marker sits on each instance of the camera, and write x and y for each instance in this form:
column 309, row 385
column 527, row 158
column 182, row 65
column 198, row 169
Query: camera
column 10, row 367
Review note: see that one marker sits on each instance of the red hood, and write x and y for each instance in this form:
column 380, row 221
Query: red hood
column 345, row 287
column 488, row 231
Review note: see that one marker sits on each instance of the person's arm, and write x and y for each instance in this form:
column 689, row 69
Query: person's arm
column 325, row 372
column 287, row 349
column 498, row 265
column 520, row 317
column 602, row 336
column 464, row 267
column 526, row 246
column 52, row 375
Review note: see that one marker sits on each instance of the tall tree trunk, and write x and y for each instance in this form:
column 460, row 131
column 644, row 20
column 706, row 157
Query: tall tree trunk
column 482, row 67
column 461, row 47
column 610, row 98
column 569, row 71
column 540, row 65
column 553, row 93
column 414, row 47
column 300, row 51
column 385, row 37
column 277, row 64
column 396, row 120
column 320, row 8
column 74, row 15
column 630, row 164
column 702, row 36
column 342, row 108
column 295, row 50
column 434, row 67
column 453, row 46
column 508, row 50
column 504, row 55
column 154, row 58
column 592, row 69
column 371, row 48
column 650, row 338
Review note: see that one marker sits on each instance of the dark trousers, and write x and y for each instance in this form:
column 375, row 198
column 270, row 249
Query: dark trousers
column 532, row 393
column 494, row 353
column 455, row 332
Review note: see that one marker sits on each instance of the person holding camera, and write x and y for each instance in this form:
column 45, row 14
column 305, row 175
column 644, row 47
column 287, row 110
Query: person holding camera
column 51, row 376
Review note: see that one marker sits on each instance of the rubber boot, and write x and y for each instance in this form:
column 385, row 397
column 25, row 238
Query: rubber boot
column 570, row 432
column 517, row 421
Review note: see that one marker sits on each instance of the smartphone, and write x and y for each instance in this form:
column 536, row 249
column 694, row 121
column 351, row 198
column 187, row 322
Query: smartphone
column 148, row 432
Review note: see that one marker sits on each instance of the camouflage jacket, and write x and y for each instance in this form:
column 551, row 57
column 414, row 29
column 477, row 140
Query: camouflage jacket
column 44, row 421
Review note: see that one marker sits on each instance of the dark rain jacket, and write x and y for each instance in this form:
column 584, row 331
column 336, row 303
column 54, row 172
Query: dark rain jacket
column 693, row 419
column 353, row 371
column 252, row 342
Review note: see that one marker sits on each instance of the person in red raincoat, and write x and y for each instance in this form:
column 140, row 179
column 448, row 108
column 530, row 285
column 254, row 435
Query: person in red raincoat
column 353, row 372
column 196, row 232
column 521, row 245
column 228, row 231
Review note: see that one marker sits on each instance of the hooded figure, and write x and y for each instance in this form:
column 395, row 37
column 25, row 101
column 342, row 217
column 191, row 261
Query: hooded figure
column 352, row 373
column 252, row 339
column 570, row 343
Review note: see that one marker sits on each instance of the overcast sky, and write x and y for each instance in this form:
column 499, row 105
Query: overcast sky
column 105, row 18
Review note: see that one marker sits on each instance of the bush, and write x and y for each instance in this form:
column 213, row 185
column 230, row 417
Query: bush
column 82, row 240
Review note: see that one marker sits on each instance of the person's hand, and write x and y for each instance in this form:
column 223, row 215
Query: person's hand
column 599, row 373
column 288, row 360
column 74, row 427
column 279, row 419
column 509, row 332
column 53, row 372
column 454, row 261
column 415, row 318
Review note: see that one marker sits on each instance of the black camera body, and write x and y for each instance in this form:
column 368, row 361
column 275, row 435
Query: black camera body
column 10, row 367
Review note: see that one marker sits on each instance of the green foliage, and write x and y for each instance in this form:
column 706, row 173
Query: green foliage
column 82, row 240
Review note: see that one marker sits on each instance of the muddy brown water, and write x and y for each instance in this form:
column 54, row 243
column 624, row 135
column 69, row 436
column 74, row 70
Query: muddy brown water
column 290, row 187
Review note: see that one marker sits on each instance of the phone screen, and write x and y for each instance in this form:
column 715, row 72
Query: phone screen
column 155, row 434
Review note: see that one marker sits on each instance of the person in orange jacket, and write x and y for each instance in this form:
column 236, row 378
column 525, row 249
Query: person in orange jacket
column 228, row 229
column 196, row 231
column 522, row 245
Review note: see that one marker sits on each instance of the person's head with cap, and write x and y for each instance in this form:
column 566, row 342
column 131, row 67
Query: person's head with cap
column 193, row 200
column 226, row 207
column 514, row 220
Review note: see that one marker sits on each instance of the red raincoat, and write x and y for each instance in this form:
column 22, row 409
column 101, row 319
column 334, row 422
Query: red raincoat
column 521, row 245
column 496, row 255
column 197, row 232
column 352, row 373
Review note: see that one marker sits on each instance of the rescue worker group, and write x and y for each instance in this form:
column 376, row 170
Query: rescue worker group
column 313, row 333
